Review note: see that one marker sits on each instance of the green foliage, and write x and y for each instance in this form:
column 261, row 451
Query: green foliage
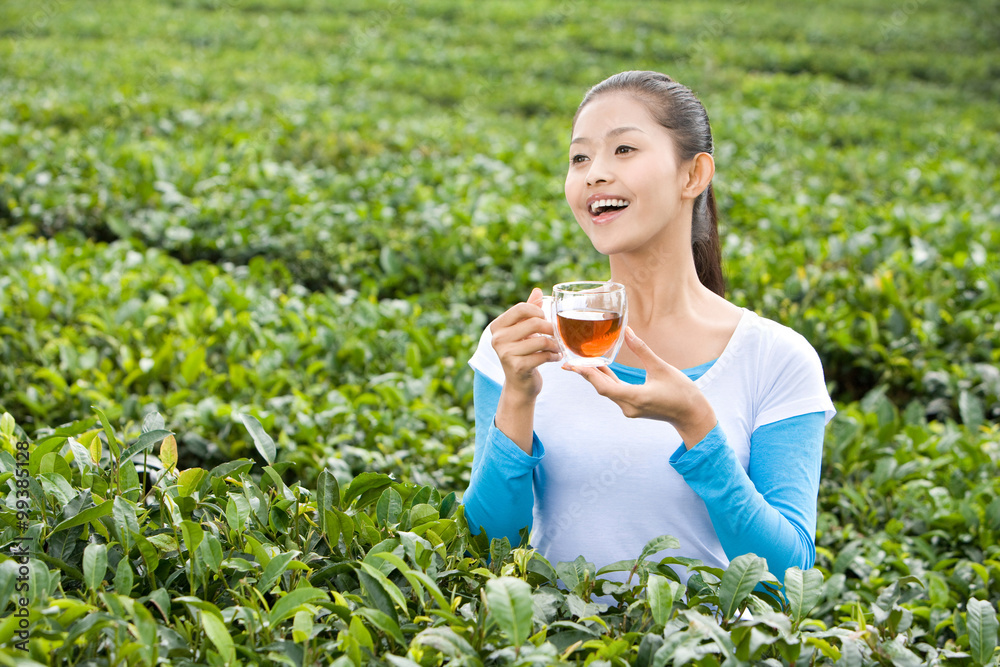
column 233, row 566
column 392, row 154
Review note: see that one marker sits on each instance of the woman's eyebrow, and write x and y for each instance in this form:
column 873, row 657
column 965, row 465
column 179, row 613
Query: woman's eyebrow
column 611, row 133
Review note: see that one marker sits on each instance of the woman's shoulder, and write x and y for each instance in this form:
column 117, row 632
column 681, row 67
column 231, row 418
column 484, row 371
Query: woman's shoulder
column 775, row 352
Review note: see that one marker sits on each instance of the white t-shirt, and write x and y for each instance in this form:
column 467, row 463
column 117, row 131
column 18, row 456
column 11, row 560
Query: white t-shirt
column 604, row 470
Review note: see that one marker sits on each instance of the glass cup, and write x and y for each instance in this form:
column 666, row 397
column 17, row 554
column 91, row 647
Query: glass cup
column 589, row 319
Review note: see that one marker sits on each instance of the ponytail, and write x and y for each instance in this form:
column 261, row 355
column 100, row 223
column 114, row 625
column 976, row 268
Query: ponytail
column 705, row 245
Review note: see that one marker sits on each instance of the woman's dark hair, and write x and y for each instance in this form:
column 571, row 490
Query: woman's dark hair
column 676, row 108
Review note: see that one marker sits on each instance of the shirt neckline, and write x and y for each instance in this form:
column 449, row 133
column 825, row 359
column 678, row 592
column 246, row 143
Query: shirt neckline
column 714, row 367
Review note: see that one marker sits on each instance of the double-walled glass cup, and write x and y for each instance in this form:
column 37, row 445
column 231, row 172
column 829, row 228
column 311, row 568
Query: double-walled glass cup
column 589, row 319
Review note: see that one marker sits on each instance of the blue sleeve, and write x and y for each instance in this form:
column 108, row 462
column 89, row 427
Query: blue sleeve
column 500, row 497
column 770, row 509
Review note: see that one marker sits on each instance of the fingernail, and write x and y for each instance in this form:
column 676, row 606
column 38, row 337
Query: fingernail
column 629, row 332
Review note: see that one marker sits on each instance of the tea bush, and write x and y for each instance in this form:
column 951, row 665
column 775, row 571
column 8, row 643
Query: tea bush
column 145, row 562
column 387, row 152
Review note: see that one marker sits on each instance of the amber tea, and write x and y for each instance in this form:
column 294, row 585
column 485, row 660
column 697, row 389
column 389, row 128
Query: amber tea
column 589, row 332
column 590, row 318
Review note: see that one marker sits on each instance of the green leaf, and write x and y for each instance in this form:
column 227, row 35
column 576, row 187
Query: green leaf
column 7, row 425
column 273, row 571
column 383, row 622
column 366, row 484
column 108, row 431
column 149, row 553
column 124, row 578
column 389, row 507
column 509, row 601
column 302, row 626
column 216, row 630
column 210, row 552
column 237, row 511
column 289, row 604
column 447, row 641
column 86, row 515
column 128, row 480
column 803, row 590
column 168, row 453
column 661, row 593
column 382, row 591
column 738, row 581
column 327, row 495
column 658, row 544
column 144, row 443
column 81, row 456
column 190, row 480
column 263, row 442
column 192, row 533
column 95, row 565
column 193, row 364
column 126, row 521
column 970, row 408
column 981, row 621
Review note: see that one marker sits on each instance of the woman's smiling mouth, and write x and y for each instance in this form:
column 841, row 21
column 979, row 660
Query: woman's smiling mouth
column 605, row 208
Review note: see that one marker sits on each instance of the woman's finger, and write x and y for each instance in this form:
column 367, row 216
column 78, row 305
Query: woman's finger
column 526, row 328
column 605, row 385
column 531, row 345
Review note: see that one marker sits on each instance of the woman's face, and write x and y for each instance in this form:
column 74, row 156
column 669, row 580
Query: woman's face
column 624, row 182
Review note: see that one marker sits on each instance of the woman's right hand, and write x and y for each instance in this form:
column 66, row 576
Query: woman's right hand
column 521, row 351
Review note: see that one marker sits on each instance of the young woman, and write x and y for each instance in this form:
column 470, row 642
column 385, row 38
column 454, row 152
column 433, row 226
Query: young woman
column 708, row 427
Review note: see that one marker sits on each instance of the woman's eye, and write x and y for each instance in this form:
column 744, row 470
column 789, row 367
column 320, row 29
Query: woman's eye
column 577, row 159
column 624, row 149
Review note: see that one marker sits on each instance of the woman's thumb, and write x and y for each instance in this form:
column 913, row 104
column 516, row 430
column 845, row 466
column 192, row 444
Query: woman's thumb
column 638, row 346
column 536, row 297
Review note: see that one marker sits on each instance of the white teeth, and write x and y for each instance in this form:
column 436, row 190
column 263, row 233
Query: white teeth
column 607, row 202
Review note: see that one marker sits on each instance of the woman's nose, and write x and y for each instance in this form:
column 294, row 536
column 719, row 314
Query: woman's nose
column 598, row 172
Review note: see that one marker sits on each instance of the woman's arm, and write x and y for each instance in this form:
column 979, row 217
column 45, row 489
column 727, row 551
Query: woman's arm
column 500, row 497
column 769, row 510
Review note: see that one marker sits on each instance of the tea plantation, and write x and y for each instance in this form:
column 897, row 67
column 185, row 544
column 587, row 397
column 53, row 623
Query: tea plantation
column 247, row 247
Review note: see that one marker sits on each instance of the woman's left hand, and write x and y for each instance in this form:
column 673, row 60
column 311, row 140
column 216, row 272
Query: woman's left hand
column 667, row 395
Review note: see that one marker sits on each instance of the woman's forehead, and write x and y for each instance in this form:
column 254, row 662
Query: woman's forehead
column 613, row 114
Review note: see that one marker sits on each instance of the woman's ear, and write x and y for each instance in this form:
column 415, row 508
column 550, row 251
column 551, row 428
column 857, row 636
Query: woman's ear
column 701, row 169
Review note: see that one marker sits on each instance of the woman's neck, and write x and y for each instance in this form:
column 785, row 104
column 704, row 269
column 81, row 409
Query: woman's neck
column 662, row 284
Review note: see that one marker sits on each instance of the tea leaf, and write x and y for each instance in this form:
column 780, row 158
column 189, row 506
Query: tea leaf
column 509, row 601
column 145, row 442
column 273, row 571
column 168, row 453
column 216, row 630
column 739, row 580
column 189, row 481
column 95, row 565
column 389, row 507
column 263, row 442
column 112, row 442
column 86, row 515
column 804, row 589
column 658, row 544
column 661, row 593
column 124, row 578
column 981, row 620
column 290, row 603
column 384, row 623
